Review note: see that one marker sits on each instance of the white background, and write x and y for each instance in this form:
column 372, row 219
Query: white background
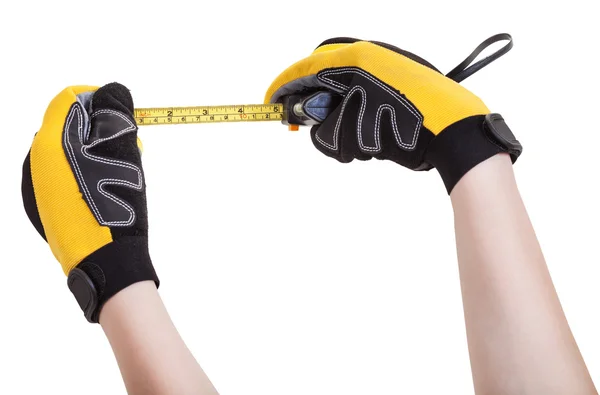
column 272, row 271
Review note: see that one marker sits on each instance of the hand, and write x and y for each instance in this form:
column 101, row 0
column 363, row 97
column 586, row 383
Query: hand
column 83, row 190
column 397, row 106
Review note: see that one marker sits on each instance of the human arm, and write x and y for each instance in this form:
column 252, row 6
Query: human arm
column 519, row 339
column 396, row 106
column 84, row 191
column 152, row 357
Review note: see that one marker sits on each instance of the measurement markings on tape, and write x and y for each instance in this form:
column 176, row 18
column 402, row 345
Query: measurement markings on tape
column 208, row 114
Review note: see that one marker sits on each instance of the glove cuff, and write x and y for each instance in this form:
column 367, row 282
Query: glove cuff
column 108, row 270
column 465, row 144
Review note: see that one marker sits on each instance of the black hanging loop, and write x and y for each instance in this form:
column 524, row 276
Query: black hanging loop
column 463, row 70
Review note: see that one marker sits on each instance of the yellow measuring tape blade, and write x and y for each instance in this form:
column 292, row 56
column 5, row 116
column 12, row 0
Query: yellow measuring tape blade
column 208, row 114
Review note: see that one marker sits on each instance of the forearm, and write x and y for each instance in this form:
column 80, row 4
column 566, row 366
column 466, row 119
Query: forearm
column 519, row 339
column 152, row 357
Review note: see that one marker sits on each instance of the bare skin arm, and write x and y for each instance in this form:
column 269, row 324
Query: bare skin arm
column 519, row 339
column 152, row 357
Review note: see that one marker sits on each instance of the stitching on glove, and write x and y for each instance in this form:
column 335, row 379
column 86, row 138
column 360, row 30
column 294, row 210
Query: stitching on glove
column 392, row 111
column 130, row 128
column 363, row 106
column 323, row 76
column 112, row 181
column 76, row 110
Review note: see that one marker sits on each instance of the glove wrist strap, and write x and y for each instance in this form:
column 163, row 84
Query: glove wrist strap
column 109, row 270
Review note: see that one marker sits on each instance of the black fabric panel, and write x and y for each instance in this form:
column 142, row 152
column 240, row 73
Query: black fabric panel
column 359, row 89
column 413, row 160
column 138, row 200
column 459, row 148
column 339, row 40
column 118, row 265
column 115, row 96
column 29, row 197
column 347, row 140
column 125, row 148
column 94, row 172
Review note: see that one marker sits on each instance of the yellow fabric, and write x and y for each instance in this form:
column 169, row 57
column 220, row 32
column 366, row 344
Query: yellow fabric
column 71, row 230
column 441, row 100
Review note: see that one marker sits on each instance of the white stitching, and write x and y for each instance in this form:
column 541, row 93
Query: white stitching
column 361, row 113
column 120, row 115
column 120, row 133
column 345, row 70
column 323, row 76
column 392, row 111
column 359, row 122
column 110, row 181
column 71, row 153
column 101, row 183
column 338, row 85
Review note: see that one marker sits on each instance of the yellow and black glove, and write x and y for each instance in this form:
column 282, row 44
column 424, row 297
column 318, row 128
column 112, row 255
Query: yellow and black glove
column 395, row 105
column 84, row 191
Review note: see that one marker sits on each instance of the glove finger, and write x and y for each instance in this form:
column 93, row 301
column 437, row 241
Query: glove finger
column 111, row 113
column 336, row 137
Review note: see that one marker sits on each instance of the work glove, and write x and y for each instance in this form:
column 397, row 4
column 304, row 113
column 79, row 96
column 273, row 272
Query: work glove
column 395, row 105
column 84, row 191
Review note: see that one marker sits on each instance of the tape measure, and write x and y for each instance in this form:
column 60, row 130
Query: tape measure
column 294, row 110
column 209, row 114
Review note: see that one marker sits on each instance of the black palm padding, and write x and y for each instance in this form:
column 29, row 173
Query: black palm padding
column 116, row 97
column 373, row 120
column 94, row 165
